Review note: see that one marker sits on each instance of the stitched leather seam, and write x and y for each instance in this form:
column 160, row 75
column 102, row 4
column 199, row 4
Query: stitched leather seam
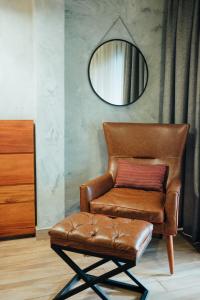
column 138, row 210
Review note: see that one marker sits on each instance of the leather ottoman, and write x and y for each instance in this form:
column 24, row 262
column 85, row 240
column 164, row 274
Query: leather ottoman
column 113, row 239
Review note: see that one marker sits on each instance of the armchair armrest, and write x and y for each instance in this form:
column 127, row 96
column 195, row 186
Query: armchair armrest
column 93, row 189
column 171, row 207
column 174, row 186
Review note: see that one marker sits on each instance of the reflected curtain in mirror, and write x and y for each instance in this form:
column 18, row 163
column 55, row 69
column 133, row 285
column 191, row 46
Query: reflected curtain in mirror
column 118, row 72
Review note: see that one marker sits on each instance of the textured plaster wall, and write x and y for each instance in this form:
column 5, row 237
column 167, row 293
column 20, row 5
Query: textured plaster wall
column 87, row 21
column 49, row 92
column 16, row 60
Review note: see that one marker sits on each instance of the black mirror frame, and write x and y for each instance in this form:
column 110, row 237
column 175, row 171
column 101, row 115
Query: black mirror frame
column 88, row 71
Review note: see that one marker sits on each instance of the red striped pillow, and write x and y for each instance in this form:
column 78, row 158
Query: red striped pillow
column 147, row 177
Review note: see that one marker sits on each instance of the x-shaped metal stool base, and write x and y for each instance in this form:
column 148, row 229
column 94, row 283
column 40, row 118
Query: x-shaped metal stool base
column 92, row 281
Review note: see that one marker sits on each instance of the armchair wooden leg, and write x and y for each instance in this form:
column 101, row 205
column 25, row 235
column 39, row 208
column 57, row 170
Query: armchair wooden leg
column 170, row 252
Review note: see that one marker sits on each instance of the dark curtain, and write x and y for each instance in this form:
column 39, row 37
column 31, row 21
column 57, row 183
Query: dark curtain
column 180, row 97
column 127, row 84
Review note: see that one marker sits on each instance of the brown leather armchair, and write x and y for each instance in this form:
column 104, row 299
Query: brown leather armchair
column 143, row 144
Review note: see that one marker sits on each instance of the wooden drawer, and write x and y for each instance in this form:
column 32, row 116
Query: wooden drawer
column 16, row 169
column 17, row 219
column 17, row 210
column 16, row 136
column 17, row 194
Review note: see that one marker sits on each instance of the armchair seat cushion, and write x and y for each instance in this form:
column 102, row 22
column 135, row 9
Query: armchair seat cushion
column 132, row 204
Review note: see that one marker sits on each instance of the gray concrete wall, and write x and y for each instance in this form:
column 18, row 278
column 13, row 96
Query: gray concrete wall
column 86, row 22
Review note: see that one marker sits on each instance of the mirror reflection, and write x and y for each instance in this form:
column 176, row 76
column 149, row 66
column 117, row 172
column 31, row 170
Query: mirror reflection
column 118, row 72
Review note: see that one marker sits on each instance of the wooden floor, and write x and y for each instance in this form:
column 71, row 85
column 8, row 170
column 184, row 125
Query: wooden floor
column 29, row 269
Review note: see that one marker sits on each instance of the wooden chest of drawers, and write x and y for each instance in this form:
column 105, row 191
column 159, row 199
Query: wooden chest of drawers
column 17, row 178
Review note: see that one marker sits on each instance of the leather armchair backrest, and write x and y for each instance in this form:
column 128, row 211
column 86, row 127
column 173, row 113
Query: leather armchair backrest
column 146, row 144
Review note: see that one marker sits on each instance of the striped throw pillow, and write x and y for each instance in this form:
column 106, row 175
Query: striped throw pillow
column 147, row 177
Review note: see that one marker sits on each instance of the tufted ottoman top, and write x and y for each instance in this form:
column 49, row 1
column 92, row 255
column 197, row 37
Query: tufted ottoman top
column 119, row 237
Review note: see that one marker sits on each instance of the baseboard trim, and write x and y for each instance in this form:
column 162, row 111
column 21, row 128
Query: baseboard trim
column 42, row 234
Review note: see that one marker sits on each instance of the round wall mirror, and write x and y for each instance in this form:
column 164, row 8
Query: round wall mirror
column 118, row 72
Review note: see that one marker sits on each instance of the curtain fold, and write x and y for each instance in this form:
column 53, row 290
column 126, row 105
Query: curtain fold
column 180, row 97
column 127, row 84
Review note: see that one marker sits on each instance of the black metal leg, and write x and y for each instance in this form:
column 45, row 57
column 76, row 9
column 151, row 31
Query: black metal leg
column 82, row 275
column 93, row 281
column 143, row 290
column 76, row 278
column 67, row 287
